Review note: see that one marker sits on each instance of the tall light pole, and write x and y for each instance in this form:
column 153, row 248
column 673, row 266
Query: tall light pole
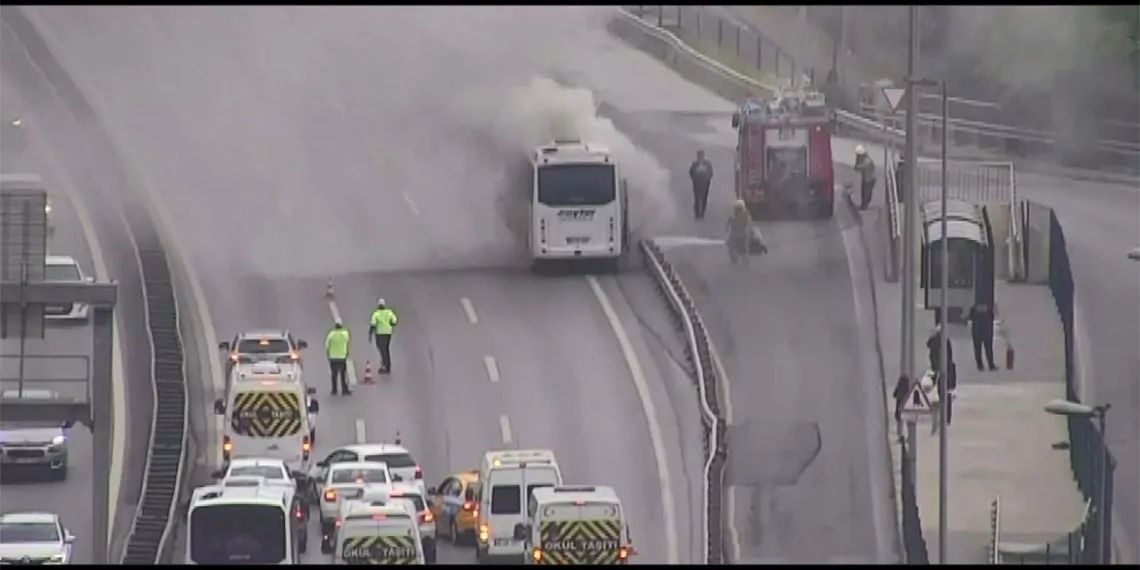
column 1073, row 409
column 910, row 234
column 913, row 84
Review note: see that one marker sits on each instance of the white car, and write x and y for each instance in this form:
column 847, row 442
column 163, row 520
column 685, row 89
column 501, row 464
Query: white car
column 65, row 268
column 273, row 470
column 401, row 464
column 34, row 538
column 413, row 496
column 328, row 480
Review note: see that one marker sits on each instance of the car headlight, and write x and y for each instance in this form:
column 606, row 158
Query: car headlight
column 47, row 208
column 59, row 440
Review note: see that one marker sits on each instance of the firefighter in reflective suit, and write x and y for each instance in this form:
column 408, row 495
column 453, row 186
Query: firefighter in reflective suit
column 743, row 237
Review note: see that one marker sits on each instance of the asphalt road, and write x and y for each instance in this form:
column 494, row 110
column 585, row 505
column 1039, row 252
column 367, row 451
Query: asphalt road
column 808, row 457
column 272, row 191
column 62, row 355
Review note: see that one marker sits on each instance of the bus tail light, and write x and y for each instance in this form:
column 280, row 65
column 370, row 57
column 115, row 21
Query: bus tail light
column 536, row 554
column 227, row 446
column 623, row 553
column 484, row 532
column 611, row 229
column 330, row 495
column 306, row 446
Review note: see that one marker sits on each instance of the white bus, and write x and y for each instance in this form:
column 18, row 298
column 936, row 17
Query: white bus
column 579, row 204
column 246, row 520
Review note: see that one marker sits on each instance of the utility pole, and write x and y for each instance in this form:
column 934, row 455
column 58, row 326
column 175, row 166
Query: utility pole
column 910, row 233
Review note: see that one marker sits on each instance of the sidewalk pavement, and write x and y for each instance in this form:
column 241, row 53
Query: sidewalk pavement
column 1001, row 440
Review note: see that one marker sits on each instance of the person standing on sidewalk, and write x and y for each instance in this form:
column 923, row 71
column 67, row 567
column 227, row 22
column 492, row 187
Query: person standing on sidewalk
column 982, row 333
column 865, row 167
column 380, row 327
column 336, row 350
column 701, row 173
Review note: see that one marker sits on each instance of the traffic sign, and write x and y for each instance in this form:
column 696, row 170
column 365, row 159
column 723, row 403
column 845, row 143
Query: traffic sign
column 917, row 404
column 894, row 96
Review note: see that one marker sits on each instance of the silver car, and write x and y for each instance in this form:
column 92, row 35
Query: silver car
column 34, row 538
column 42, row 448
column 65, row 268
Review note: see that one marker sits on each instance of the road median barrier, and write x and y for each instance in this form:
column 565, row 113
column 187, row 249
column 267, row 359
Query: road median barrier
column 703, row 372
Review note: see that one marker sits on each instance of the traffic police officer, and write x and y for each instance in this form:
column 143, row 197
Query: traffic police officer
column 336, row 349
column 380, row 326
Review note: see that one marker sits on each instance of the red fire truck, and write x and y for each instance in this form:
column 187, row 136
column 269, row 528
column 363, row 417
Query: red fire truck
column 783, row 155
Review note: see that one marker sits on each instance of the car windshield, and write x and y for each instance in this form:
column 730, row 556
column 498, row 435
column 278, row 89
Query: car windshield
column 270, row 472
column 394, row 460
column 11, row 533
column 61, row 273
column 263, row 346
column 343, row 476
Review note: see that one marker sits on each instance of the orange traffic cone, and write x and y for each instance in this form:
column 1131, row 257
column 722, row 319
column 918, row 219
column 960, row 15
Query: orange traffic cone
column 368, row 372
column 329, row 290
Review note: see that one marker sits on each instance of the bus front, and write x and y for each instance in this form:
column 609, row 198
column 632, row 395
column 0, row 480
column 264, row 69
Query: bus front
column 246, row 532
column 578, row 209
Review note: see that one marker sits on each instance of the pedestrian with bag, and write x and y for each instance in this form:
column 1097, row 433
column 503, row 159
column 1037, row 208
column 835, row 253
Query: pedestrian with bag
column 981, row 320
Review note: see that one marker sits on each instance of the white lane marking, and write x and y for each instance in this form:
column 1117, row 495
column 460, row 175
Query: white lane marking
column 361, row 432
column 349, row 365
column 730, row 518
column 650, row 410
column 118, row 390
column 505, row 428
column 470, row 310
column 492, row 368
column 411, row 204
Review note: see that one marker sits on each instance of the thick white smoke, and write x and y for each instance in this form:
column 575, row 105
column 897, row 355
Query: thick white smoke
column 300, row 132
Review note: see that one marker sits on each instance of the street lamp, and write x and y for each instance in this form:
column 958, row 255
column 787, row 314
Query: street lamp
column 1075, row 410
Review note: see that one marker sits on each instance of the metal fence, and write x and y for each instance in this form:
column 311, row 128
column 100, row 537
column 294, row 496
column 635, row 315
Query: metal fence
column 1087, row 453
column 746, row 51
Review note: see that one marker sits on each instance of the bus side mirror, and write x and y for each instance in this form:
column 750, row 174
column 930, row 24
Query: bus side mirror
column 224, row 345
column 520, row 532
column 736, row 120
column 302, row 344
column 219, row 407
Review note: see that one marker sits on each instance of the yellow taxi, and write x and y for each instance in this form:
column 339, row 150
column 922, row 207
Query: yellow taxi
column 455, row 506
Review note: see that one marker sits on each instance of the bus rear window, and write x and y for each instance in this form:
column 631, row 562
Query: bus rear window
column 238, row 534
column 505, row 500
column 576, row 185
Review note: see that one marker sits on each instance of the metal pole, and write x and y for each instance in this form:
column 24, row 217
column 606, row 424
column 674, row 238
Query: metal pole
column 943, row 364
column 910, row 223
column 101, row 406
column 23, row 295
column 1102, row 510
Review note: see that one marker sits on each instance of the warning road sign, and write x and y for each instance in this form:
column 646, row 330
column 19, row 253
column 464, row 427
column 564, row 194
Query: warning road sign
column 894, row 96
column 917, row 404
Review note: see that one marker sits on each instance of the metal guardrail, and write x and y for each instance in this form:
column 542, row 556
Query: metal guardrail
column 704, row 373
column 993, row 554
column 163, row 474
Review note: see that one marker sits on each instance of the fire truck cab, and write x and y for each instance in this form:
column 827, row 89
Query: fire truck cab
column 783, row 155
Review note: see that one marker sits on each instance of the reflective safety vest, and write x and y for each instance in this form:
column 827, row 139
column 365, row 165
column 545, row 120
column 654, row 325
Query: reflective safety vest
column 336, row 344
column 383, row 320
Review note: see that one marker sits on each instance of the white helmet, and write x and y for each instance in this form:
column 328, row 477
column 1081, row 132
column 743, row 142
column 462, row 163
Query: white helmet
column 860, row 150
column 380, row 301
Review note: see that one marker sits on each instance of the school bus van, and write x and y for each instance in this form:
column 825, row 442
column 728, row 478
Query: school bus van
column 575, row 525
column 508, row 479
column 269, row 412
column 378, row 532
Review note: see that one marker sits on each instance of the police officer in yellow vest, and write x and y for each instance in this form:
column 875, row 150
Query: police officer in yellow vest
column 380, row 326
column 336, row 349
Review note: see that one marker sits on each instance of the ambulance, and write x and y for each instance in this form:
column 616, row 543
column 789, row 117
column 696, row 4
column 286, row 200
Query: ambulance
column 269, row 412
column 575, row 525
column 509, row 478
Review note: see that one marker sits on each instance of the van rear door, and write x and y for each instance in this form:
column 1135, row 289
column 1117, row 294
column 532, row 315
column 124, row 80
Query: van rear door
column 508, row 490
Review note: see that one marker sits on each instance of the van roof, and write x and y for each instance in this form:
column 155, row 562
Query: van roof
column 242, row 490
column 392, row 510
column 494, row 459
column 267, row 370
column 570, row 494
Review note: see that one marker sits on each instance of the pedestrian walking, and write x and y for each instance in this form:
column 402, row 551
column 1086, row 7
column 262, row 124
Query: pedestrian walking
column 336, row 349
column 380, row 327
column 981, row 319
column 902, row 389
column 935, row 354
column 701, row 173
